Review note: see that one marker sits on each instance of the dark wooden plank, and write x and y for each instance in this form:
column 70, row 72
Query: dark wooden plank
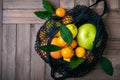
column 9, row 51
column 1, row 39
column 23, row 52
column 37, row 64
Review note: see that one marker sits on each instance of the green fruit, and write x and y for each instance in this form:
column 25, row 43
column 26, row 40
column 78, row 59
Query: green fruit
column 73, row 29
column 86, row 35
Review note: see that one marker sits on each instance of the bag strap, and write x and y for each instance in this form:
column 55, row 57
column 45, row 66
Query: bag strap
column 105, row 10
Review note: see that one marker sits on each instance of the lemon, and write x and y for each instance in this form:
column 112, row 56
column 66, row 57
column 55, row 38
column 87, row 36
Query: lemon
column 73, row 29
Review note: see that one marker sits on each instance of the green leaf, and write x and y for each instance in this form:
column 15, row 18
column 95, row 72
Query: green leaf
column 107, row 66
column 66, row 34
column 43, row 14
column 47, row 6
column 49, row 48
column 74, row 62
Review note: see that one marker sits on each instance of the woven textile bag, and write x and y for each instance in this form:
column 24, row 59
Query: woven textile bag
column 60, row 69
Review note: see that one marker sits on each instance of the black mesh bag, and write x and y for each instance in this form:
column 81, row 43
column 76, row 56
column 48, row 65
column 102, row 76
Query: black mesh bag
column 60, row 69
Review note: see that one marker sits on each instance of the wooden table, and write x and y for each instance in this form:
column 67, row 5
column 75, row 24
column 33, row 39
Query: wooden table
column 18, row 59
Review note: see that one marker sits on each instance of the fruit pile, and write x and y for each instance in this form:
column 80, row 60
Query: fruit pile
column 82, row 39
column 72, row 41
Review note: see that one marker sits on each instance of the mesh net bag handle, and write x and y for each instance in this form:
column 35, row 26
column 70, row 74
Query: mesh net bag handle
column 65, row 74
column 105, row 10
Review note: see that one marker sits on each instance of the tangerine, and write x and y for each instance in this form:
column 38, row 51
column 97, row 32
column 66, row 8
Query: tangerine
column 56, row 54
column 67, row 52
column 73, row 44
column 61, row 42
column 80, row 52
column 54, row 41
column 60, row 12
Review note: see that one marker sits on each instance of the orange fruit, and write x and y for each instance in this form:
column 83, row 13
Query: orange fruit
column 56, row 54
column 61, row 42
column 54, row 41
column 80, row 52
column 67, row 52
column 60, row 12
column 73, row 44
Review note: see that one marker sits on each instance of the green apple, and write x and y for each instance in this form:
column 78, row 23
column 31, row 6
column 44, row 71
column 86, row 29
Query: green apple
column 86, row 35
column 73, row 29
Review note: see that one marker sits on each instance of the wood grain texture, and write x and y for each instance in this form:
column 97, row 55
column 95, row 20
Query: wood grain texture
column 23, row 52
column 113, row 30
column 20, row 16
column 112, row 16
column 1, row 39
column 114, row 4
column 82, row 2
column 27, row 4
column 37, row 64
column 48, row 72
column 54, row 3
column 67, row 4
column 22, row 4
column 9, row 51
column 27, row 16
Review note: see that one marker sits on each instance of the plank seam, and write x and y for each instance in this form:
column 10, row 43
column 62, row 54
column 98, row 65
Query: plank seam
column 1, row 50
column 16, row 55
column 30, row 54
